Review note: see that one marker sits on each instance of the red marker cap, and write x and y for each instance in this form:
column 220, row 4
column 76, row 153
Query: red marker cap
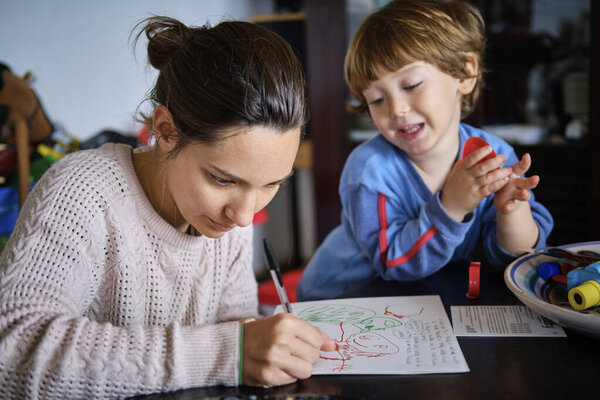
column 473, row 291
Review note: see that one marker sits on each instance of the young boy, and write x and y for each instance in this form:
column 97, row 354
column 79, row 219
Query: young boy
column 410, row 203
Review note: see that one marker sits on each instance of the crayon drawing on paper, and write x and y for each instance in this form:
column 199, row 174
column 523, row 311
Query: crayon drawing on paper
column 385, row 335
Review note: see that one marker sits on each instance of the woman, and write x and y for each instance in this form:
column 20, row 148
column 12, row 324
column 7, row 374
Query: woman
column 130, row 272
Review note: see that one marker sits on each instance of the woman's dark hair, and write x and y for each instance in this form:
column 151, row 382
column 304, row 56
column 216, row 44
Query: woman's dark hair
column 212, row 79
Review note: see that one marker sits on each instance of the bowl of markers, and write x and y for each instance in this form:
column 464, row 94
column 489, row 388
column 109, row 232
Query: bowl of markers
column 562, row 284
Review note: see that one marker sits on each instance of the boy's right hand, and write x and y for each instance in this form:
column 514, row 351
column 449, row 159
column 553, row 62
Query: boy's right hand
column 281, row 349
column 469, row 182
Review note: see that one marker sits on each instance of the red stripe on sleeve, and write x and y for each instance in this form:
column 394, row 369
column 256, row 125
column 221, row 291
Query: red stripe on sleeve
column 382, row 223
column 383, row 244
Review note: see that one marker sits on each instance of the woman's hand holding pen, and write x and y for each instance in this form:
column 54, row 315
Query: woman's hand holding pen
column 470, row 181
column 281, row 349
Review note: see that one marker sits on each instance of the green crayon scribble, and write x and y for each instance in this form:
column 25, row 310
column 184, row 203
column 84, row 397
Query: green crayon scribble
column 362, row 318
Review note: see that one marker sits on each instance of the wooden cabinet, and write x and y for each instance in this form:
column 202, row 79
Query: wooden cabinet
column 329, row 123
column 319, row 35
column 566, row 189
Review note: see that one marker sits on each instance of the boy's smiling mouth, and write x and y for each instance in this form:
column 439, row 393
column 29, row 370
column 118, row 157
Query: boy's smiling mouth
column 410, row 131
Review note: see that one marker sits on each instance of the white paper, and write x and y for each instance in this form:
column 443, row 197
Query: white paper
column 502, row 321
column 384, row 335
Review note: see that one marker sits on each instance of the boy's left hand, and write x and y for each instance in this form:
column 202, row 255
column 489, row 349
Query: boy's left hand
column 507, row 199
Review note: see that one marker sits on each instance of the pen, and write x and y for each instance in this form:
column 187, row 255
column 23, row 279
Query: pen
column 276, row 275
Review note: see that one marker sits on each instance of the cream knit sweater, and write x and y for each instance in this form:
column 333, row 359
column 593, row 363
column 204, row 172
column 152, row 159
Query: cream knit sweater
column 101, row 298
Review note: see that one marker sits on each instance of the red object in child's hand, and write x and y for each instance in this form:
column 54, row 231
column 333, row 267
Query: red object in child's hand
column 474, row 143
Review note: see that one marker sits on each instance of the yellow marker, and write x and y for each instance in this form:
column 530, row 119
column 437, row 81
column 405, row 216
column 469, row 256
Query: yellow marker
column 585, row 295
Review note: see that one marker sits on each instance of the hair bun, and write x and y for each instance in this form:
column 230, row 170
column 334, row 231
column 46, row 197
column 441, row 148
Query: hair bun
column 165, row 36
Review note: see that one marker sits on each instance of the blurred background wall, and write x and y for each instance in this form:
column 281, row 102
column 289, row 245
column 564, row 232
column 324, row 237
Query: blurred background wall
column 81, row 55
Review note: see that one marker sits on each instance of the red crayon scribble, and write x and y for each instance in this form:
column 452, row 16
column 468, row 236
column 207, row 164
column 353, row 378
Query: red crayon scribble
column 388, row 312
column 365, row 344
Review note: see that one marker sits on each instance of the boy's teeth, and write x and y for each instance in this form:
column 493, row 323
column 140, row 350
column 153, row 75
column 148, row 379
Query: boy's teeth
column 411, row 128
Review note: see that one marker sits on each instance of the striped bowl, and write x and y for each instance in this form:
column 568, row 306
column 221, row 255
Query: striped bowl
column 548, row 298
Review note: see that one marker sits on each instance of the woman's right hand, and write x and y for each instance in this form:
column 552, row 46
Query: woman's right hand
column 281, row 349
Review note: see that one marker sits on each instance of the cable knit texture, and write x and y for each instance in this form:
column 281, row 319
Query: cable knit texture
column 102, row 298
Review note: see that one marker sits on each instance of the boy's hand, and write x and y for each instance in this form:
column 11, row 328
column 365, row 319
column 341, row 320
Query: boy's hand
column 509, row 197
column 281, row 349
column 470, row 181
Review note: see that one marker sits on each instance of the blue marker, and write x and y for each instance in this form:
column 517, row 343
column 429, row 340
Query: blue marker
column 548, row 269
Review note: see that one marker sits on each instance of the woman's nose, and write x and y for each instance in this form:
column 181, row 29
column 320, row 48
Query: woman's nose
column 241, row 211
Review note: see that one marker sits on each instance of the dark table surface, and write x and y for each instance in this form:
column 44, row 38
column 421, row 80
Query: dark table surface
column 500, row 367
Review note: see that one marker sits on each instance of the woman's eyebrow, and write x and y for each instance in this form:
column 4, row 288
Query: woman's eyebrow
column 284, row 179
column 236, row 178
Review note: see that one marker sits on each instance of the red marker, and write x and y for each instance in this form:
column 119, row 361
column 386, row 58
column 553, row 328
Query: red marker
column 474, row 143
column 473, row 291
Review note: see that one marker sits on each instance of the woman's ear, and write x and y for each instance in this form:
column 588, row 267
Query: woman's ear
column 466, row 85
column 164, row 128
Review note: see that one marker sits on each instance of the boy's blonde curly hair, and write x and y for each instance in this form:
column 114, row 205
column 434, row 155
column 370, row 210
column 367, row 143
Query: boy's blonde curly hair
column 442, row 33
